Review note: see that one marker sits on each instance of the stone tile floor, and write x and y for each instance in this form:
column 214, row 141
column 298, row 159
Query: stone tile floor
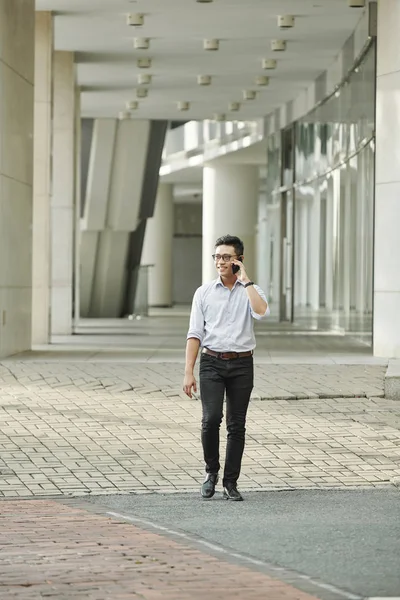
column 77, row 428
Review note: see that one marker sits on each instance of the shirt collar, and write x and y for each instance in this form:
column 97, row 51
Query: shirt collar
column 218, row 282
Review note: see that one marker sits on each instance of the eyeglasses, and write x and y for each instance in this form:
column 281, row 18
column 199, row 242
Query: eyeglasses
column 224, row 257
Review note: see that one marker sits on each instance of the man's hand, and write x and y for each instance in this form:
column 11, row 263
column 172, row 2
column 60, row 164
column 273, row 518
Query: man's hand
column 189, row 382
column 241, row 275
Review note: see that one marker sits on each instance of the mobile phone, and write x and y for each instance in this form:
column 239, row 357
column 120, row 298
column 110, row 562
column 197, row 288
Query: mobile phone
column 236, row 268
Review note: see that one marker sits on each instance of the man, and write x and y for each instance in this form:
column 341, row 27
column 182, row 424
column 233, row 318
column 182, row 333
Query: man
column 221, row 323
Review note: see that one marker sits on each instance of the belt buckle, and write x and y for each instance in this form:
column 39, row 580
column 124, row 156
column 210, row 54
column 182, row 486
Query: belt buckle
column 228, row 355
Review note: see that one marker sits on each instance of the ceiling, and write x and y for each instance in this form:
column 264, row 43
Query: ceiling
column 97, row 32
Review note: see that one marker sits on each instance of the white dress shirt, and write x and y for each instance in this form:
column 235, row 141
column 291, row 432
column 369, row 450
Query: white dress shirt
column 222, row 319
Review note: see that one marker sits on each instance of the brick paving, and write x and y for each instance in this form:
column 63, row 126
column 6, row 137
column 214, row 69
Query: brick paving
column 97, row 428
column 49, row 550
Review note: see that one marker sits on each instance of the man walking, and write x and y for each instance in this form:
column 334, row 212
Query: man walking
column 221, row 323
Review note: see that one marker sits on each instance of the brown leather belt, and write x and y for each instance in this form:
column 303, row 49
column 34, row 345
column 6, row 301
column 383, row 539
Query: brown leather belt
column 227, row 355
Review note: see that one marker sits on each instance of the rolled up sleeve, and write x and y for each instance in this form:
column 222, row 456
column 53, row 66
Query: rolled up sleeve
column 196, row 324
column 263, row 296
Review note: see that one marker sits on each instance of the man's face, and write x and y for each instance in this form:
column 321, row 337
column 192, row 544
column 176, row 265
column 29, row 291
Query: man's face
column 223, row 259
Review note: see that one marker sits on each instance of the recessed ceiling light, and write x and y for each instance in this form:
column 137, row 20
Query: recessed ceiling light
column 143, row 63
column 249, row 94
column 211, row 44
column 135, row 20
column 234, row 106
column 204, row 79
column 132, row 105
column 356, row 3
column 262, row 80
column 219, row 117
column 141, row 43
column 124, row 114
column 278, row 45
column 142, row 92
column 269, row 63
column 144, row 79
column 285, row 21
column 183, row 105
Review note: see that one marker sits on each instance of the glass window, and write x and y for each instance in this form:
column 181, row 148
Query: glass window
column 333, row 175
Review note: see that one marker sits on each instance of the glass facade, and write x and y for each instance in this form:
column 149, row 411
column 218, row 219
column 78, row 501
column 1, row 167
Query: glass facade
column 320, row 203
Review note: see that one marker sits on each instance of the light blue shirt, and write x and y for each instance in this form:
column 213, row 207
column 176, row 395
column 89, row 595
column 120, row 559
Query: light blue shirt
column 222, row 319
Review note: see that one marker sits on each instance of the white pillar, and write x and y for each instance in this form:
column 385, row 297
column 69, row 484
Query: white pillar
column 41, row 177
column 346, row 223
column 314, row 248
column 157, row 248
column 77, row 205
column 230, row 204
column 304, row 241
column 17, row 49
column 387, row 191
column 63, row 193
column 329, row 256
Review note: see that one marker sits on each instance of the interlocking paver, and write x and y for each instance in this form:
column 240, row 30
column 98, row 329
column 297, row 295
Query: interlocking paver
column 68, row 438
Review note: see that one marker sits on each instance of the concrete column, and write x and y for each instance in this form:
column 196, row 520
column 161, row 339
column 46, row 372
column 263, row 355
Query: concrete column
column 77, row 205
column 361, row 235
column 314, row 248
column 346, row 223
column 63, row 193
column 41, row 178
column 17, row 49
column 230, row 203
column 303, row 251
column 387, row 192
column 329, row 254
column 157, row 248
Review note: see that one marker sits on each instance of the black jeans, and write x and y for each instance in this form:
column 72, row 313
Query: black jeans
column 235, row 376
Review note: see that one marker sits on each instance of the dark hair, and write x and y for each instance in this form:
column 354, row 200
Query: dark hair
column 231, row 240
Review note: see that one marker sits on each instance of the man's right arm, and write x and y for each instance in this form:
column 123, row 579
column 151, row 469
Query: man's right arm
column 194, row 339
column 189, row 381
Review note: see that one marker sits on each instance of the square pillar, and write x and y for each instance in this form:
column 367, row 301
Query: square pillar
column 387, row 191
column 63, row 193
column 41, row 178
column 17, row 18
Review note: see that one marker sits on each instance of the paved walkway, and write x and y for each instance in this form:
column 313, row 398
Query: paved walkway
column 81, row 428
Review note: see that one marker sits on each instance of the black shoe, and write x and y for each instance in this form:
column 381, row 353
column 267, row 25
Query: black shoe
column 231, row 493
column 208, row 487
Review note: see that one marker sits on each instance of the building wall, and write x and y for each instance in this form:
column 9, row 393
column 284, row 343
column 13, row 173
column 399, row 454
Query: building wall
column 17, row 23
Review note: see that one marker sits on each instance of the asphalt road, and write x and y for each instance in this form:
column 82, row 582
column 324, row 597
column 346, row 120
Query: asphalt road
column 346, row 539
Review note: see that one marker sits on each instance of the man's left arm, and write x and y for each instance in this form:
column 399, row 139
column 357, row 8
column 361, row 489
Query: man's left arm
column 258, row 301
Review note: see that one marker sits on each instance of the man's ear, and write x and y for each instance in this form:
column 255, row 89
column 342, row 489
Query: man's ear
column 241, row 258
